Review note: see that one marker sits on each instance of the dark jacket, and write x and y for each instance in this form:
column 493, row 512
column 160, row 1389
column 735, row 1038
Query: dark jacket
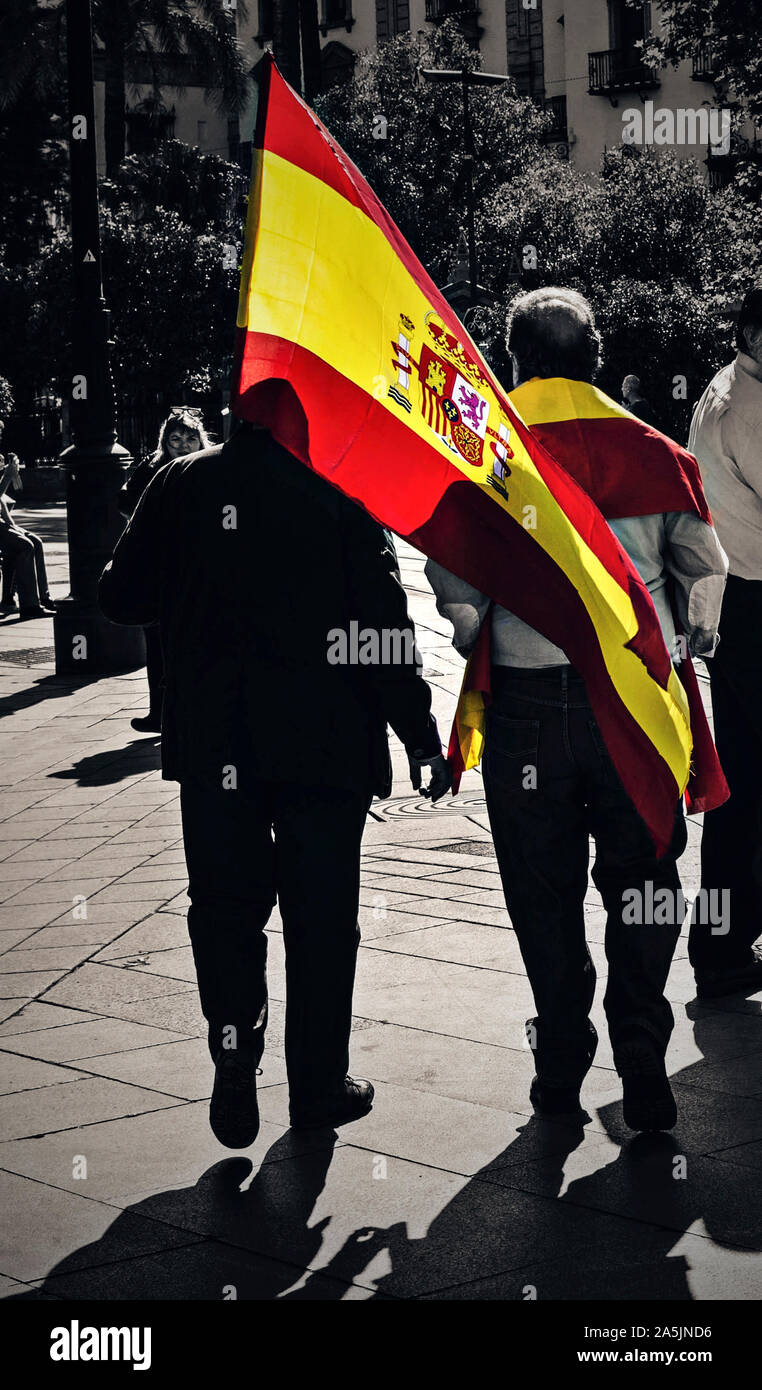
column 249, row 560
column 136, row 484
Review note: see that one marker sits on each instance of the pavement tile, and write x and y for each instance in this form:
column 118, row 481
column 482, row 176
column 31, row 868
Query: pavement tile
column 182, row 1069
column 118, row 915
column 34, row 957
column 9, row 938
column 58, row 893
column 747, row 1155
column 178, row 1011
column 172, row 963
column 157, row 892
column 19, row 1073
column 461, row 911
column 159, row 933
column 71, row 1104
column 35, row 1017
column 167, row 1155
column 72, row 1231
column 437, row 995
column 649, row 1180
column 674, row 1269
column 204, row 1270
column 8, row 1007
column 464, row 943
column 87, row 936
column 98, row 987
column 90, row 1037
column 29, row 915
column 27, row 985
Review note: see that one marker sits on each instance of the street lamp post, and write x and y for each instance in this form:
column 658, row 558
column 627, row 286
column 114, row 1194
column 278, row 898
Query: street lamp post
column 476, row 294
column 96, row 465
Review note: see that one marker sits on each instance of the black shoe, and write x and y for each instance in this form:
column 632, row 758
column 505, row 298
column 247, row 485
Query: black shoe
column 233, row 1110
column 553, row 1101
column 49, row 603
column 355, row 1101
column 147, row 724
column 647, row 1102
column 735, row 979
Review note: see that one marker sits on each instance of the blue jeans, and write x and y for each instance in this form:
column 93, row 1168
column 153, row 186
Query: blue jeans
column 550, row 785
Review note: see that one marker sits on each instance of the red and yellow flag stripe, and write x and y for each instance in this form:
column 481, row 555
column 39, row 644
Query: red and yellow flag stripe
column 333, row 305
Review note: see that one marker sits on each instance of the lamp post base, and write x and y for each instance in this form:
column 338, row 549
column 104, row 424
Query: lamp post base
column 87, row 644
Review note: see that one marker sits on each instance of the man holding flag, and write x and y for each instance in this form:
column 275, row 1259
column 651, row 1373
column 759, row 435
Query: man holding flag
column 549, row 779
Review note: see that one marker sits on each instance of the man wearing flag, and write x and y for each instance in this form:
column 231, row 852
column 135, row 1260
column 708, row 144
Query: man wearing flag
column 549, row 779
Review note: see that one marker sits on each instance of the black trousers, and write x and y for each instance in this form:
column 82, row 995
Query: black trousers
column 25, row 554
column 244, row 849
column 731, row 843
column 550, row 784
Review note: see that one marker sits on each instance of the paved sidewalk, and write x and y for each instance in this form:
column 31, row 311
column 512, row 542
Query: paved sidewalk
column 112, row 1183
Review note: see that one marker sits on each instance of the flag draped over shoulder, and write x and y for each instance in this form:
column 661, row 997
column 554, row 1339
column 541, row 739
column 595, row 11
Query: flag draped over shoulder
column 350, row 355
column 629, row 469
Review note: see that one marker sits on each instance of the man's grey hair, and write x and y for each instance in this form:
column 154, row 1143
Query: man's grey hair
column 631, row 383
column 552, row 332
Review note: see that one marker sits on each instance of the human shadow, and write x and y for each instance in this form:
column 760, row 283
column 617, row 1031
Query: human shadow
column 214, row 1240
column 103, row 769
column 46, row 688
column 526, row 1227
column 553, row 1217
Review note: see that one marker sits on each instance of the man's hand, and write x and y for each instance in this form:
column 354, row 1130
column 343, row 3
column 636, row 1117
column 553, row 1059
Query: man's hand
column 441, row 775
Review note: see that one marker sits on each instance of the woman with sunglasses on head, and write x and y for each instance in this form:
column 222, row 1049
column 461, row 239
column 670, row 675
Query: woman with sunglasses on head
column 181, row 433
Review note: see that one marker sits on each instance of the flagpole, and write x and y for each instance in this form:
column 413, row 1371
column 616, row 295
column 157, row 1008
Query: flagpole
column 96, row 465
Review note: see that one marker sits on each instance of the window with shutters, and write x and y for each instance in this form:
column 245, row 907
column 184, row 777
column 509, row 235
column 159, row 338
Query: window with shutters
column 392, row 18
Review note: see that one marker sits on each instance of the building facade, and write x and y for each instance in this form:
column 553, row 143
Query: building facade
column 579, row 58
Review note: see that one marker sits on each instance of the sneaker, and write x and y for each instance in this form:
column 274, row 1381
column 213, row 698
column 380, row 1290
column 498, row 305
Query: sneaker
column 233, row 1110
column 147, row 724
column 734, row 979
column 550, row 1102
column 647, row 1101
column 355, row 1101
column 10, row 607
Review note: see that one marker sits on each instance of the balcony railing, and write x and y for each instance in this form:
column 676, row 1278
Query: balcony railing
column 704, row 62
column 618, row 70
column 556, row 107
column 437, row 10
column 720, row 170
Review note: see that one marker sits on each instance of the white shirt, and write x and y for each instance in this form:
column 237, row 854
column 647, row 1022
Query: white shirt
column 726, row 437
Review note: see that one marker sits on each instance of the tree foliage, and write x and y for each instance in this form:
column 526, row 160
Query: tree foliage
column 664, row 261
column 406, row 135
column 734, row 31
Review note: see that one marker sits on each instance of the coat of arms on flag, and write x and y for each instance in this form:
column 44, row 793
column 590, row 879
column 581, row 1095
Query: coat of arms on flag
column 450, row 396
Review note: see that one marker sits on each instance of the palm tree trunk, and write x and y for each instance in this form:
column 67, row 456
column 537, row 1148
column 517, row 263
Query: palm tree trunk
column 286, row 42
column 115, row 102
column 308, row 21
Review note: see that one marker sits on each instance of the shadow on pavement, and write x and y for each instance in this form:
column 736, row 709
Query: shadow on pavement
column 101, row 769
column 46, row 688
column 516, row 1230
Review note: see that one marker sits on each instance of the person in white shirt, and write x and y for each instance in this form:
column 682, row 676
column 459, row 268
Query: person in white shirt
column 726, row 437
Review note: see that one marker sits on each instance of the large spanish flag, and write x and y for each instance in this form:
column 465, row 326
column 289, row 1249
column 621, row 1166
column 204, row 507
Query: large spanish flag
column 350, row 355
